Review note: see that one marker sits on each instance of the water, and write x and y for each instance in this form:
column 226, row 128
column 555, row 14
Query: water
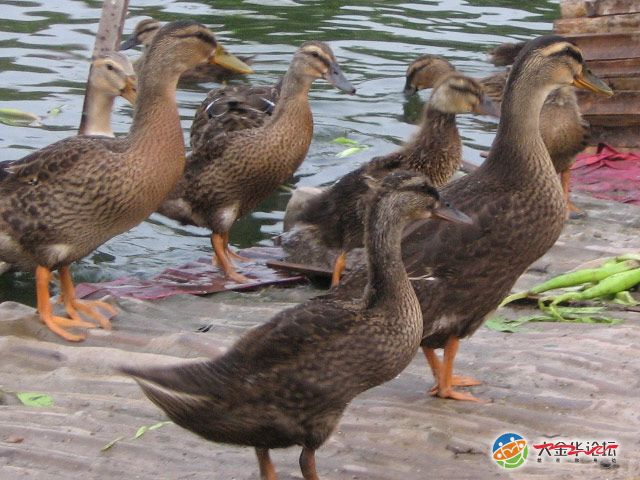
column 43, row 65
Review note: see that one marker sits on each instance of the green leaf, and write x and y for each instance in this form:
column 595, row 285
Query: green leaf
column 158, row 425
column 141, row 431
column 350, row 151
column 35, row 399
column 55, row 111
column 345, row 141
column 18, row 118
column 625, row 298
column 111, row 444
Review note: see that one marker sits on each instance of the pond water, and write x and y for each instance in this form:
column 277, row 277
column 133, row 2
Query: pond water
column 44, row 64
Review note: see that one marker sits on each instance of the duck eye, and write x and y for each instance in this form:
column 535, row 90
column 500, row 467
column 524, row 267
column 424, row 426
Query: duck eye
column 315, row 54
column 109, row 67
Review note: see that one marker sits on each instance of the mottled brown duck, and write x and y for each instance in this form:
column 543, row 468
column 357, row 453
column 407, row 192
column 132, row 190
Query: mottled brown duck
column 111, row 76
column 61, row 202
column 435, row 151
column 227, row 176
column 564, row 132
column 143, row 34
column 515, row 199
column 288, row 381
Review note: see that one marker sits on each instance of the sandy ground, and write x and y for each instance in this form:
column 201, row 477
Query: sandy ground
column 548, row 381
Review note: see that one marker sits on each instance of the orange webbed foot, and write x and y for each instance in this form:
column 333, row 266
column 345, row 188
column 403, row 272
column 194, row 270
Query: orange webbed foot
column 90, row 308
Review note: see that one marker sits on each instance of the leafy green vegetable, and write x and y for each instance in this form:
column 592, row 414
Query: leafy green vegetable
column 55, row 111
column 35, row 399
column 111, row 444
column 353, row 146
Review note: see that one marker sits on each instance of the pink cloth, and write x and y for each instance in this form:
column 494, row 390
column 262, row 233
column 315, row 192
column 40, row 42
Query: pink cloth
column 608, row 174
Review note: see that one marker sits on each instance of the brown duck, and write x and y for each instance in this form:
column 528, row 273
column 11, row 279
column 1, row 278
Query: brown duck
column 435, row 151
column 58, row 204
column 287, row 382
column 564, row 132
column 228, row 175
column 111, row 76
column 143, row 34
column 516, row 202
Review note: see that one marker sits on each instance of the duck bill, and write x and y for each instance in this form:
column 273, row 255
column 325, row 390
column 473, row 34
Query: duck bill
column 336, row 78
column 588, row 81
column 225, row 59
column 450, row 214
column 409, row 89
column 487, row 107
column 130, row 42
column 130, row 91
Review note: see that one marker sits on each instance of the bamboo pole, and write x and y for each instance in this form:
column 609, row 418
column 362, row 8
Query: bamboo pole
column 107, row 40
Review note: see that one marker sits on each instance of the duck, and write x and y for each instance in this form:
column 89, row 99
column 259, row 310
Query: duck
column 462, row 272
column 337, row 214
column 143, row 34
column 288, row 381
column 564, row 131
column 227, row 176
column 60, row 203
column 111, row 76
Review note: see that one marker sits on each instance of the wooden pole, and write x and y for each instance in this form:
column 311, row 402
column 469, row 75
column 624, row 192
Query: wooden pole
column 107, row 40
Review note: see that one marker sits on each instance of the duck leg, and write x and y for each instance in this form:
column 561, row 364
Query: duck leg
column 565, row 179
column 231, row 255
column 338, row 268
column 56, row 324
column 267, row 470
column 308, row 464
column 436, row 370
column 217, row 242
column 72, row 305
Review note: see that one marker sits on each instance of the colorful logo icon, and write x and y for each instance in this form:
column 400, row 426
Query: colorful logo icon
column 510, row 450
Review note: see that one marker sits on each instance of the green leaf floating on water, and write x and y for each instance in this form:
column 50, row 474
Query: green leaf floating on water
column 35, row 399
column 353, row 146
column 18, row 118
column 55, row 111
column 346, row 141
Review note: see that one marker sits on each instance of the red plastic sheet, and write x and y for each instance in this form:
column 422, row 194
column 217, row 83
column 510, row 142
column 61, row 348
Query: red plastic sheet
column 608, row 174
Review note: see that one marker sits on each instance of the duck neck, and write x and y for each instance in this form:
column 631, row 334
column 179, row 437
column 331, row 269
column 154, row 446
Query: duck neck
column 293, row 103
column 436, row 148
column 518, row 138
column 388, row 283
column 156, row 123
column 99, row 114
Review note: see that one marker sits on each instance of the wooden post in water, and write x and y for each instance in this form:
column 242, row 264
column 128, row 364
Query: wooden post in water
column 107, row 40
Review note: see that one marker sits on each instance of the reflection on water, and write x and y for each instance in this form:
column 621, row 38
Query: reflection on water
column 43, row 65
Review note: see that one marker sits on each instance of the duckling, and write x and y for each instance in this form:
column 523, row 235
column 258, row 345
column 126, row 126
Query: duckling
column 111, row 76
column 288, row 381
column 143, row 34
column 435, row 151
column 61, row 202
column 228, row 176
column 564, row 131
column 462, row 272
